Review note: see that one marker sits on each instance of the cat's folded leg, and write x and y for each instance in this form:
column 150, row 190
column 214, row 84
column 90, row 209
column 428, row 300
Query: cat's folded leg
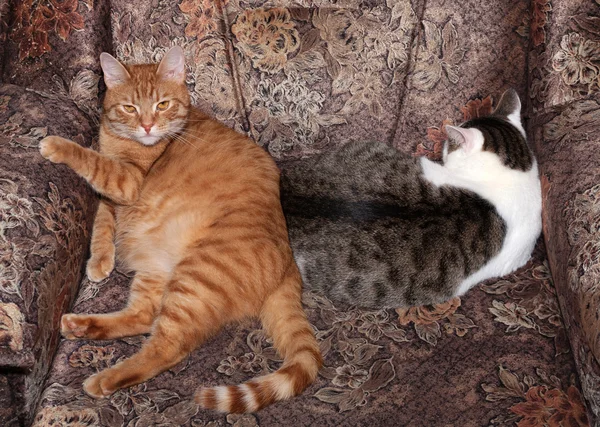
column 102, row 246
column 185, row 321
column 115, row 179
column 135, row 319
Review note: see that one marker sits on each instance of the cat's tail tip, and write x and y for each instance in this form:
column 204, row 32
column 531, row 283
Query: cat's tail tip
column 287, row 382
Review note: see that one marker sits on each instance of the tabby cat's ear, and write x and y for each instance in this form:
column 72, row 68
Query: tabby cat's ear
column 172, row 66
column 509, row 105
column 464, row 137
column 114, row 72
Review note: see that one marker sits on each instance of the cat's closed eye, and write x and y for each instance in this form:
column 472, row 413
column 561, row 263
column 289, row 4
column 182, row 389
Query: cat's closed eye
column 162, row 106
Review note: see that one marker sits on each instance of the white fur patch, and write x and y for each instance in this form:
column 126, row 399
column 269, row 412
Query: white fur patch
column 515, row 119
column 223, row 398
column 516, row 195
column 249, row 398
column 282, row 386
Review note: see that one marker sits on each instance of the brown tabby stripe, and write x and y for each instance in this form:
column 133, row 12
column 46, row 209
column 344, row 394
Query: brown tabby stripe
column 227, row 270
column 208, row 398
column 298, row 375
column 236, row 400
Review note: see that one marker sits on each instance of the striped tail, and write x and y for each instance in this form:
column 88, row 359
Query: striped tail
column 284, row 319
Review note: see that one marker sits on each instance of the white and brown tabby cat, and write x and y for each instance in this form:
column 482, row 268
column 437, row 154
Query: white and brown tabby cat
column 194, row 210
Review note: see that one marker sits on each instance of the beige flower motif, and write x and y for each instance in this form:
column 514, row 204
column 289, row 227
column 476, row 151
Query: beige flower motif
column 11, row 326
column 266, row 36
column 427, row 314
column 213, row 78
column 512, row 315
column 60, row 416
column 578, row 59
column 349, row 375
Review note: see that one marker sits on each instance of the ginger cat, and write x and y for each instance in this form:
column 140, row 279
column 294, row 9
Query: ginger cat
column 194, row 210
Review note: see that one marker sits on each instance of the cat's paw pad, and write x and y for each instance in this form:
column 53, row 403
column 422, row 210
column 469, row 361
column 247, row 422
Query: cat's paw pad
column 99, row 267
column 74, row 326
column 99, row 386
column 53, row 148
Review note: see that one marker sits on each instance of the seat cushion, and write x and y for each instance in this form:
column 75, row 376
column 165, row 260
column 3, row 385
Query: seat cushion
column 496, row 356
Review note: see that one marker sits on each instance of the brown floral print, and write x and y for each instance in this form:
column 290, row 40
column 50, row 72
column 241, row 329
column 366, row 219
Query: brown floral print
column 34, row 19
column 541, row 9
column 544, row 400
column 301, row 78
column 425, row 315
column 203, row 17
column 442, row 55
column 552, row 407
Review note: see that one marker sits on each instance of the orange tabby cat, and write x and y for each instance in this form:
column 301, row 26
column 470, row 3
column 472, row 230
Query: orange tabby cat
column 196, row 213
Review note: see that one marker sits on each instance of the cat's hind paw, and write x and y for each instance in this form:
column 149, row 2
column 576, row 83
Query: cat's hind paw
column 98, row 386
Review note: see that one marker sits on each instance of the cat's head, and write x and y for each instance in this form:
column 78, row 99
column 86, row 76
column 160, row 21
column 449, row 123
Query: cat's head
column 146, row 102
column 485, row 141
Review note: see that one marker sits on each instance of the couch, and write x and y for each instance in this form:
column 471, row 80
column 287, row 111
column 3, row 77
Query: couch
column 301, row 77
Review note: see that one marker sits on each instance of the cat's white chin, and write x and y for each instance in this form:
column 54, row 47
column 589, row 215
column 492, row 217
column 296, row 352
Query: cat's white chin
column 148, row 139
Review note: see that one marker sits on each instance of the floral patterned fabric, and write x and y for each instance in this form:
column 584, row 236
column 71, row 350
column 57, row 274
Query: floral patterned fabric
column 45, row 215
column 565, row 60
column 300, row 77
column 566, row 139
column 495, row 357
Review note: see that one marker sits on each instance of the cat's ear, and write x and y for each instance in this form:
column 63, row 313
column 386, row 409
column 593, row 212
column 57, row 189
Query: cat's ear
column 509, row 105
column 172, row 66
column 467, row 138
column 114, row 72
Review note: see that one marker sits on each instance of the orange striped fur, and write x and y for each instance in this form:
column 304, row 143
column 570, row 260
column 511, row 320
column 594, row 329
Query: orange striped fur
column 193, row 209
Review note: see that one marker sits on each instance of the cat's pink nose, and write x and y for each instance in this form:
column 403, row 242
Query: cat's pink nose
column 147, row 128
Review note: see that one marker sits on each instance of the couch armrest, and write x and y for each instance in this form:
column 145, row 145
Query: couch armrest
column 564, row 92
column 566, row 139
column 46, row 213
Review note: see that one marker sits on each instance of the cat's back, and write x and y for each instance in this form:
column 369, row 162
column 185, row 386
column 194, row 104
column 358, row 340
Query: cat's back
column 382, row 235
column 358, row 171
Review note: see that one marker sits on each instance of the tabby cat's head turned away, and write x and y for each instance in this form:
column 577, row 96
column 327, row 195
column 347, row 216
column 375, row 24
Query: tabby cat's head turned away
column 146, row 102
column 487, row 143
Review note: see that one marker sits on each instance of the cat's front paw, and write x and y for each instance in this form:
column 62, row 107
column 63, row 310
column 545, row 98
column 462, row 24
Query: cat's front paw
column 55, row 148
column 99, row 267
column 77, row 326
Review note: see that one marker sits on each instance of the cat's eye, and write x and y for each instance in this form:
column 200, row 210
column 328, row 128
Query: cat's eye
column 129, row 108
column 162, row 106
